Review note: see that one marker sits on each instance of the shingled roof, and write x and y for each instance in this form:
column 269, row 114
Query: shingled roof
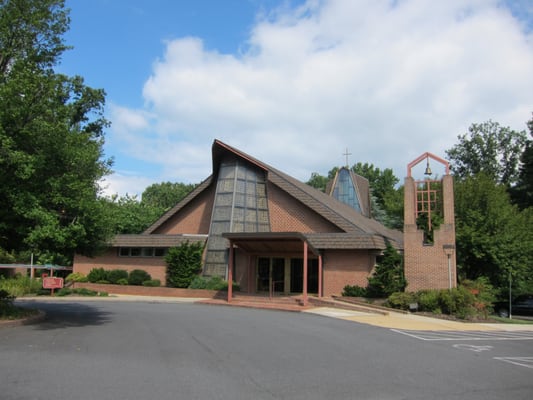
column 359, row 231
column 152, row 240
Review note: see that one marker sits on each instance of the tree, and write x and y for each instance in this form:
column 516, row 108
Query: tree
column 51, row 138
column 165, row 195
column 382, row 182
column 183, row 264
column 388, row 276
column 491, row 149
column 387, row 201
column 127, row 215
column 522, row 193
column 318, row 181
column 493, row 237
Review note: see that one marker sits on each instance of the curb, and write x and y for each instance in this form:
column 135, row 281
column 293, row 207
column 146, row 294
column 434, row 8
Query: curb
column 24, row 321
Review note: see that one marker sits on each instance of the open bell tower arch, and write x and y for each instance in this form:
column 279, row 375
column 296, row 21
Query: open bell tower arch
column 429, row 227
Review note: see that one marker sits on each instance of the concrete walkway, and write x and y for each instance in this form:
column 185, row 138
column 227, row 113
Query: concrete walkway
column 395, row 320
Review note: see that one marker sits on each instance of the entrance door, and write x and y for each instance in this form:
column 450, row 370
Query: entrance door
column 270, row 274
column 297, row 275
column 278, row 275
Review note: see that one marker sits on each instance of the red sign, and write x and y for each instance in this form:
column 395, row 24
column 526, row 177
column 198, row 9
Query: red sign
column 52, row 283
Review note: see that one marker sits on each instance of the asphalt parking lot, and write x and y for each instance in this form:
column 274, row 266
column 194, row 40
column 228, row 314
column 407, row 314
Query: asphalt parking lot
column 161, row 350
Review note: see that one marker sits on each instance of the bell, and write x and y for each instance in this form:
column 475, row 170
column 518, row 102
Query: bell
column 428, row 169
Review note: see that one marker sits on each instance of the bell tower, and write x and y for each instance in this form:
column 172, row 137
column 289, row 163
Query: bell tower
column 429, row 227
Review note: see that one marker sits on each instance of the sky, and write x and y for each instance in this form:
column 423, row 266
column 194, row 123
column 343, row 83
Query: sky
column 296, row 84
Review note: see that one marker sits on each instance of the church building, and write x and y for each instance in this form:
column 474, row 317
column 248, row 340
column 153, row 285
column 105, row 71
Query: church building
column 263, row 229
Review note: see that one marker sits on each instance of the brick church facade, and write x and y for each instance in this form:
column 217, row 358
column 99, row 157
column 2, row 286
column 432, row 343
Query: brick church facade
column 262, row 228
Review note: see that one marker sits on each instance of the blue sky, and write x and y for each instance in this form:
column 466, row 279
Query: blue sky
column 296, row 83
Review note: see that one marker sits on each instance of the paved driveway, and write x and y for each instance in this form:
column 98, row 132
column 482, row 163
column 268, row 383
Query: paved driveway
column 137, row 350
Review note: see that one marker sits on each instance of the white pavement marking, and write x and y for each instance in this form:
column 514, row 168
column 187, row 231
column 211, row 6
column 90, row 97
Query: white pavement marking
column 466, row 335
column 335, row 312
column 521, row 361
column 471, row 347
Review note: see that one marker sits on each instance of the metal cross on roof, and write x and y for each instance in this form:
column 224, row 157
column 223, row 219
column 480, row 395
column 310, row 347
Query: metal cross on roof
column 347, row 154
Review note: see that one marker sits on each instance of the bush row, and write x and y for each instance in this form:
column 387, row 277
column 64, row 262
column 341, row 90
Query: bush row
column 136, row 277
column 80, row 292
column 465, row 301
column 211, row 283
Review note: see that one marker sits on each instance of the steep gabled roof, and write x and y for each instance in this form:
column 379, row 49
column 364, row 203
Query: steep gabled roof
column 367, row 231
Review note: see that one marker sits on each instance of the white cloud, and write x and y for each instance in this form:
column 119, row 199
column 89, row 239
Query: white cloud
column 387, row 80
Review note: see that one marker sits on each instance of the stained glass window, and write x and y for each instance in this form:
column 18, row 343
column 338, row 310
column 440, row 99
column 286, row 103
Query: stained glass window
column 240, row 206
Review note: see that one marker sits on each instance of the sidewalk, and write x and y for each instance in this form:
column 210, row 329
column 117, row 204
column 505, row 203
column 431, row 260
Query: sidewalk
column 414, row 322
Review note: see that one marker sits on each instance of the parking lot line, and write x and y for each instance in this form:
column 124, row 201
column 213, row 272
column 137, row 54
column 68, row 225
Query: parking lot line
column 521, row 361
column 462, row 335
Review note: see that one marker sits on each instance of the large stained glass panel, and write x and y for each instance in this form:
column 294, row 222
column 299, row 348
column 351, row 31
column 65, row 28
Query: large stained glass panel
column 240, row 206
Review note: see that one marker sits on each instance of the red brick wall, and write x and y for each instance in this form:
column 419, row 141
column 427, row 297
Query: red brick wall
column 343, row 268
column 289, row 215
column 427, row 266
column 155, row 266
column 194, row 218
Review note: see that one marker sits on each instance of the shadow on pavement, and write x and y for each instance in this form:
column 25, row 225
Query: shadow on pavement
column 64, row 315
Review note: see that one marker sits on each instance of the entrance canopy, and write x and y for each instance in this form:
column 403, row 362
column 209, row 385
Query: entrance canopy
column 266, row 243
column 269, row 243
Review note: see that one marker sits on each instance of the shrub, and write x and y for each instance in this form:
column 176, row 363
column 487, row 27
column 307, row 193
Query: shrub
column 79, row 292
column 122, row 281
column 152, row 283
column 183, row 264
column 198, row 282
column 428, row 300
column 354, row 291
column 401, row 300
column 63, row 292
column 6, row 302
column 115, row 275
column 462, row 301
column 76, row 277
column 388, row 276
column 20, row 286
column 484, row 293
column 138, row 276
column 84, row 292
column 97, row 274
column 211, row 283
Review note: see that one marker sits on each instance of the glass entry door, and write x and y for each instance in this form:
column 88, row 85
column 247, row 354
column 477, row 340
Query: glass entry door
column 297, row 275
column 271, row 274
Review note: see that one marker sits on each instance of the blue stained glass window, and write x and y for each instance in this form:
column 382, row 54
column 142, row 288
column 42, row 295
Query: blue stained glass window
column 345, row 189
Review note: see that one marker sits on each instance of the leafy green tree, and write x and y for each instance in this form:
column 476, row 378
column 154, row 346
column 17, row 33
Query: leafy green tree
column 387, row 200
column 165, row 195
column 493, row 237
column 382, row 182
column 491, row 149
column 318, row 181
column 522, row 193
column 388, row 276
column 126, row 214
column 183, row 264
column 51, row 138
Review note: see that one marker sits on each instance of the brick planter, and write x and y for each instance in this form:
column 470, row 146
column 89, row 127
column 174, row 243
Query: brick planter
column 147, row 291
